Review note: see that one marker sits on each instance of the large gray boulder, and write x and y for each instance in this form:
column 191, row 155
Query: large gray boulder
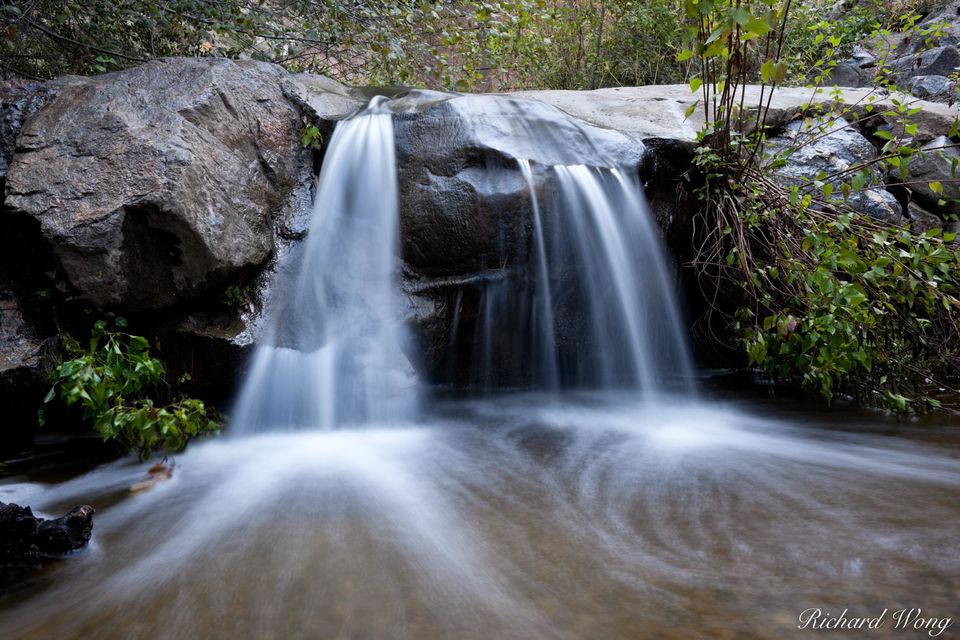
column 830, row 147
column 937, row 61
column 155, row 184
column 932, row 87
column 166, row 190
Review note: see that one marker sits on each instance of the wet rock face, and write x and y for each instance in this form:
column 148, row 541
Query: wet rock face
column 156, row 183
column 26, row 358
column 464, row 203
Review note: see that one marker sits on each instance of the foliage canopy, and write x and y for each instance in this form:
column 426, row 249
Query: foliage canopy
column 448, row 44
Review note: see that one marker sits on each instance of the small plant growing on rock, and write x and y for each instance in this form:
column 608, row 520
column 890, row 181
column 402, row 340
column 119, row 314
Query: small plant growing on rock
column 117, row 383
column 233, row 298
column 310, row 137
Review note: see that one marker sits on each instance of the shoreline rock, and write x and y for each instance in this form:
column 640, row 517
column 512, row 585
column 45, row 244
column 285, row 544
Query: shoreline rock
column 28, row 542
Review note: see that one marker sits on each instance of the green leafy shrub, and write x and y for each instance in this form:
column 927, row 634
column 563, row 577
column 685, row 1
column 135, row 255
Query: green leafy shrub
column 310, row 137
column 641, row 42
column 810, row 290
column 847, row 305
column 116, row 382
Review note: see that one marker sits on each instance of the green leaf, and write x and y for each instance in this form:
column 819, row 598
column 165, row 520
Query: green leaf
column 758, row 26
column 741, row 16
column 858, row 181
column 767, row 71
column 780, row 72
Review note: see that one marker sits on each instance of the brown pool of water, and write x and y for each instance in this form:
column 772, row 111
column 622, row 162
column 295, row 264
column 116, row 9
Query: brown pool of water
column 517, row 517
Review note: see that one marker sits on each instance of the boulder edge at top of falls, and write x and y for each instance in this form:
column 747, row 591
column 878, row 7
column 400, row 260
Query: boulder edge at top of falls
column 657, row 111
column 463, row 200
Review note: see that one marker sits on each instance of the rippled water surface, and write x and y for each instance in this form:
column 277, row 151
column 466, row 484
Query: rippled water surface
column 512, row 517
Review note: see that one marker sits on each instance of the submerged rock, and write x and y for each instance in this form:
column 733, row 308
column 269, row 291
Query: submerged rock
column 23, row 536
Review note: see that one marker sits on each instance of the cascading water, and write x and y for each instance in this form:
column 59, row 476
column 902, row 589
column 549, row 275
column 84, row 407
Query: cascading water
column 333, row 351
column 545, row 343
column 598, row 268
column 604, row 513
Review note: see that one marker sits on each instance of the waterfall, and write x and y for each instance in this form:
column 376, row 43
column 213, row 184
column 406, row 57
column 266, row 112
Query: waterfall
column 545, row 344
column 593, row 304
column 332, row 354
column 622, row 279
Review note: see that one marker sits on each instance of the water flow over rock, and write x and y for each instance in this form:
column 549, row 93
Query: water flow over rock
column 593, row 306
column 333, row 353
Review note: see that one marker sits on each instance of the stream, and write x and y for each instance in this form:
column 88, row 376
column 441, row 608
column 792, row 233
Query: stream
column 516, row 516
